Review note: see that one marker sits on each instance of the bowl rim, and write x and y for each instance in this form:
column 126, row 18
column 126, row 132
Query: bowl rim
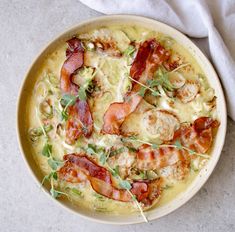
column 132, row 18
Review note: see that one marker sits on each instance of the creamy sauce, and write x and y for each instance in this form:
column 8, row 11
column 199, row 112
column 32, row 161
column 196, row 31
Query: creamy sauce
column 112, row 75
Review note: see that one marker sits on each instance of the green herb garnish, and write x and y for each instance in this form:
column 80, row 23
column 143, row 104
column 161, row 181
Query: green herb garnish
column 56, row 193
column 117, row 151
column 115, row 171
column 161, row 77
column 54, row 164
column 155, row 146
column 103, row 158
column 129, row 51
column 68, row 100
column 82, row 94
column 142, row 91
column 47, row 150
column 125, row 184
column 76, row 192
column 178, row 144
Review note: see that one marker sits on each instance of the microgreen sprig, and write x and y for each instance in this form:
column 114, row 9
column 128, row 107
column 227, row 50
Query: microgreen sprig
column 144, row 87
column 127, row 186
column 129, row 50
column 69, row 99
column 179, row 67
column 103, row 157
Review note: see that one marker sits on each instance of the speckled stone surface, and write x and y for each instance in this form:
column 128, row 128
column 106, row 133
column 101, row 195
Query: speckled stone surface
column 25, row 27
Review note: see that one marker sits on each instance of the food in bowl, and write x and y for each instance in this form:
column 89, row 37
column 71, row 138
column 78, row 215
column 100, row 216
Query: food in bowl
column 121, row 119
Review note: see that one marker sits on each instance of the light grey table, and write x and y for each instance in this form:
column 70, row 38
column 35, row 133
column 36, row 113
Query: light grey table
column 26, row 26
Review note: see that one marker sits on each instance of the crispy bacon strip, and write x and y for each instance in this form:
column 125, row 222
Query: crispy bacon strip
column 74, row 61
column 80, row 168
column 199, row 135
column 204, row 123
column 80, row 120
column 117, row 112
column 150, row 55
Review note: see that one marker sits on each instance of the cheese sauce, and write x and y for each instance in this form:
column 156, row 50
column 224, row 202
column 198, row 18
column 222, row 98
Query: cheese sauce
column 111, row 74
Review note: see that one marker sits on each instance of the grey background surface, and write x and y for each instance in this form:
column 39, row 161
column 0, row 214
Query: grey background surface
column 26, row 26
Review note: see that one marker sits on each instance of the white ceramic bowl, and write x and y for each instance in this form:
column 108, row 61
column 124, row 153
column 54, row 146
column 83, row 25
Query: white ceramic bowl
column 202, row 61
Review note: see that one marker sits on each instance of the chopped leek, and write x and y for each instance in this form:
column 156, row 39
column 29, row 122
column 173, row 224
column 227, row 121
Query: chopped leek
column 35, row 133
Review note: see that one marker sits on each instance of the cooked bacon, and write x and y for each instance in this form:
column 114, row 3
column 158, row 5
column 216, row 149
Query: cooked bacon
column 74, row 61
column 82, row 163
column 80, row 120
column 199, row 135
column 150, row 52
column 80, row 168
column 117, row 112
column 75, row 45
column 204, row 123
column 150, row 55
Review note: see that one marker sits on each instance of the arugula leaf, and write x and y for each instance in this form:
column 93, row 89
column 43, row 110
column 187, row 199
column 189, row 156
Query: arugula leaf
column 47, row 150
column 125, row 184
column 68, row 100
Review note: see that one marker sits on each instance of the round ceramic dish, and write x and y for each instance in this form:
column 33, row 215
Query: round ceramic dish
column 204, row 174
